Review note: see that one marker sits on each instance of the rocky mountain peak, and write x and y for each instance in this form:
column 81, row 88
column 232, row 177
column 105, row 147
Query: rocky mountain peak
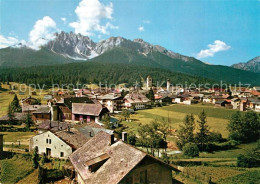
column 77, row 46
column 252, row 65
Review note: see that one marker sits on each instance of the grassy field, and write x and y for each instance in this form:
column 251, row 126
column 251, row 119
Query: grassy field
column 220, row 166
column 232, row 153
column 31, row 178
column 13, row 170
column 17, row 136
column 217, row 117
column 224, row 175
column 249, row 177
column 6, row 98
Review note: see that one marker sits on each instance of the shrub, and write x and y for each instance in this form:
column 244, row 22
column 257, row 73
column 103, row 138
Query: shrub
column 251, row 158
column 131, row 139
column 247, row 161
column 215, row 137
column 191, row 150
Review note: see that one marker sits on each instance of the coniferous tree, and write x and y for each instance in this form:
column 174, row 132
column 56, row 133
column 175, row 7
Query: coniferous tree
column 202, row 136
column 150, row 95
column 10, row 114
column 106, row 121
column 252, row 126
column 186, row 132
column 15, row 105
column 28, row 121
column 235, row 127
column 35, row 158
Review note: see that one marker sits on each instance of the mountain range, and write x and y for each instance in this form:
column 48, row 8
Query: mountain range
column 252, row 65
column 72, row 48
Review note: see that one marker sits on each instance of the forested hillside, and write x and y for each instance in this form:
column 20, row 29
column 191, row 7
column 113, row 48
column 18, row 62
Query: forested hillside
column 94, row 72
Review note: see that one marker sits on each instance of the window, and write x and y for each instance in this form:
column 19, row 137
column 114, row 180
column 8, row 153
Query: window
column 42, row 116
column 47, row 141
column 61, row 154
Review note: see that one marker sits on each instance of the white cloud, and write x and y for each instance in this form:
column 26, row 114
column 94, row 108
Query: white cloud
column 42, row 32
column 217, row 46
column 141, row 28
column 64, row 20
column 90, row 13
column 146, row 21
column 9, row 41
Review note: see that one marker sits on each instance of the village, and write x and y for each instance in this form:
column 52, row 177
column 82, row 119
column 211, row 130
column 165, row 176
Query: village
column 84, row 128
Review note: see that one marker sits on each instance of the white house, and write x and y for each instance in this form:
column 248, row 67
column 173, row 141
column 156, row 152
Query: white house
column 138, row 101
column 59, row 144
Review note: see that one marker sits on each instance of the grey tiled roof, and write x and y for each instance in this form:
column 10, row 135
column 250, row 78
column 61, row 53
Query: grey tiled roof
column 86, row 109
column 121, row 158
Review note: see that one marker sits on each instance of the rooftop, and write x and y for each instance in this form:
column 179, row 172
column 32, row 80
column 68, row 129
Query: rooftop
column 42, row 110
column 55, row 125
column 119, row 157
column 73, row 137
column 87, row 109
column 99, row 161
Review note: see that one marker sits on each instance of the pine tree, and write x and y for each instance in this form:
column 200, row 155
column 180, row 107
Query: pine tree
column 28, row 121
column 235, row 127
column 106, row 121
column 186, row 132
column 35, row 158
column 150, row 95
column 15, row 106
column 203, row 134
column 10, row 113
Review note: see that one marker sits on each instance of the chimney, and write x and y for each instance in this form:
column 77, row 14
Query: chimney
column 90, row 134
column 69, row 129
column 124, row 136
column 112, row 139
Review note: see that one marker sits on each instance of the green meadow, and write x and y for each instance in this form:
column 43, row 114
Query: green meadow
column 217, row 117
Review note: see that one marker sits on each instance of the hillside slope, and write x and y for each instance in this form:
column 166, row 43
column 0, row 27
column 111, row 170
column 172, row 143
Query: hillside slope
column 191, row 67
column 26, row 57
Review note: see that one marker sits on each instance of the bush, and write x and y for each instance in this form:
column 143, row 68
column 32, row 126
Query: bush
column 131, row 139
column 191, row 150
column 215, row 137
column 247, row 161
column 251, row 158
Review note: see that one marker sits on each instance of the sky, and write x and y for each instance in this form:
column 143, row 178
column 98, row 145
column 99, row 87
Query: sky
column 215, row 31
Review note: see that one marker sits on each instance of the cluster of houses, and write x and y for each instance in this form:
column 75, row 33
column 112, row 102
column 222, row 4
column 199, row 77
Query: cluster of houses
column 70, row 127
column 86, row 105
column 97, row 156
